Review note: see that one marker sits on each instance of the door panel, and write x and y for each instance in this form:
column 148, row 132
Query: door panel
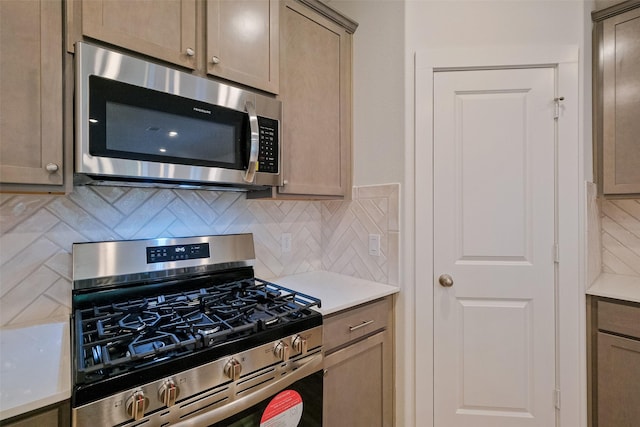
column 494, row 214
column 479, row 121
column 484, row 326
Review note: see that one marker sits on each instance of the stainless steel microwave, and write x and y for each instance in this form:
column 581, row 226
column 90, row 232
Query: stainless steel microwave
column 139, row 123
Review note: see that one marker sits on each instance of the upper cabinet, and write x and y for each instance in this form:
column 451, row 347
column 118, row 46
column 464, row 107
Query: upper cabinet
column 31, row 127
column 315, row 88
column 616, row 98
column 163, row 29
column 242, row 42
column 233, row 39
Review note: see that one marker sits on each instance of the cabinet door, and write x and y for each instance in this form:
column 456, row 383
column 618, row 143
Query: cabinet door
column 162, row 29
column 357, row 384
column 618, row 381
column 315, row 87
column 51, row 416
column 621, row 103
column 242, row 42
column 31, row 92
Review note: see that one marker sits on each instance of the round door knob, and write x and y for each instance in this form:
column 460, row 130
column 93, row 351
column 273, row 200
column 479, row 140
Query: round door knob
column 52, row 167
column 215, row 60
column 445, row 281
column 190, row 52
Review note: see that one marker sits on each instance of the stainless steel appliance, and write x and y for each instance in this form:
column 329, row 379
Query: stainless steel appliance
column 178, row 331
column 144, row 124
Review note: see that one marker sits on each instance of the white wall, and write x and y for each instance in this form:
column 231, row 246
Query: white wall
column 464, row 23
column 384, row 48
column 378, row 89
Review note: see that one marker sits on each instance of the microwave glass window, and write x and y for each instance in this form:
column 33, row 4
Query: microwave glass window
column 138, row 130
column 135, row 123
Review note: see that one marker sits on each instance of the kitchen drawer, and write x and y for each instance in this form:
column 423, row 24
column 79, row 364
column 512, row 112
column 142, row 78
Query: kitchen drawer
column 356, row 323
column 619, row 318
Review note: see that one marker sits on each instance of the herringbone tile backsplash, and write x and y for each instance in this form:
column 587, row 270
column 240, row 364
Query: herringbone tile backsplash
column 37, row 233
column 620, row 221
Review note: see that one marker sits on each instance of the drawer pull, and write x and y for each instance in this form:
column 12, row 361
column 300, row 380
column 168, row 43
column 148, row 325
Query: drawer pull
column 361, row 325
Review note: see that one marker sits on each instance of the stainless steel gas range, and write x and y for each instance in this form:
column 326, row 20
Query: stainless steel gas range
column 178, row 331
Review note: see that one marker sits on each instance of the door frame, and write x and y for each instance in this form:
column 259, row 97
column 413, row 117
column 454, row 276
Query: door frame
column 570, row 199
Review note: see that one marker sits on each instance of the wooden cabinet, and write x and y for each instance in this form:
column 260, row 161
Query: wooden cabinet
column 31, row 130
column 616, row 97
column 315, row 88
column 162, row 29
column 233, row 39
column 243, row 42
column 358, row 382
column 615, row 360
column 58, row 415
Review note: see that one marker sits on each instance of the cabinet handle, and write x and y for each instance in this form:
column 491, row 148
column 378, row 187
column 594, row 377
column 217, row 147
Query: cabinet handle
column 190, row 52
column 215, row 60
column 52, row 167
column 361, row 325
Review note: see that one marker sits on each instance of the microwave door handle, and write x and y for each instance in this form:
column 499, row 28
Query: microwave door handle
column 255, row 139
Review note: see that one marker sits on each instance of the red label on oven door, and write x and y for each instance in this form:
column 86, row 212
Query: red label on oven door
column 284, row 410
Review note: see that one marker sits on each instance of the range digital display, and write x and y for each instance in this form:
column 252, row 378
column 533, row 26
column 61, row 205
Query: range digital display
column 177, row 252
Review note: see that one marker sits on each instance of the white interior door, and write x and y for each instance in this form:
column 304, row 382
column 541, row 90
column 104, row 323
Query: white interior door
column 494, row 235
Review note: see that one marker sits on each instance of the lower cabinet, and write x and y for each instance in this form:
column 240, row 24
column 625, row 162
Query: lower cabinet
column 358, row 381
column 615, row 361
column 57, row 415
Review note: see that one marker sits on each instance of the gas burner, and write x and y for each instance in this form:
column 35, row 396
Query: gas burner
column 138, row 322
column 160, row 342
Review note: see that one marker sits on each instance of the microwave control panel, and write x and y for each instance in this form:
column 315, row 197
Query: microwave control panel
column 268, row 145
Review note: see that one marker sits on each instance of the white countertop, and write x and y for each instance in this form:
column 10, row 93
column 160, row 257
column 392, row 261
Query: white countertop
column 336, row 291
column 35, row 367
column 616, row 286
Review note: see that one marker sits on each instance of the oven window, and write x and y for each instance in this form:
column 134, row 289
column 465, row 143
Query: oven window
column 136, row 123
column 283, row 408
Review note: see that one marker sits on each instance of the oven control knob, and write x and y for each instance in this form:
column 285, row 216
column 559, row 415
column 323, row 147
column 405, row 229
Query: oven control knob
column 168, row 393
column 281, row 350
column 232, row 369
column 299, row 344
column 136, row 405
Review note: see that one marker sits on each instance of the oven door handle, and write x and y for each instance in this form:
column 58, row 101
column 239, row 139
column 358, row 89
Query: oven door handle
column 250, row 173
column 308, row 366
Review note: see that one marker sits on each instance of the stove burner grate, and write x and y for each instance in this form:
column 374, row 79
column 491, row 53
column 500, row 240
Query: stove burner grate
column 126, row 335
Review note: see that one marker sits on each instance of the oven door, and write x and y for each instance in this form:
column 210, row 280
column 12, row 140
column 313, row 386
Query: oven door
column 299, row 404
column 294, row 400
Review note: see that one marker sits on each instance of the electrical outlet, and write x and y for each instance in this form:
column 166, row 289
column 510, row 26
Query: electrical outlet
column 285, row 242
column 374, row 244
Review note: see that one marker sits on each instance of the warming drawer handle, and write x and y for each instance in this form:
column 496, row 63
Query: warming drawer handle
column 255, row 141
column 361, row 325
